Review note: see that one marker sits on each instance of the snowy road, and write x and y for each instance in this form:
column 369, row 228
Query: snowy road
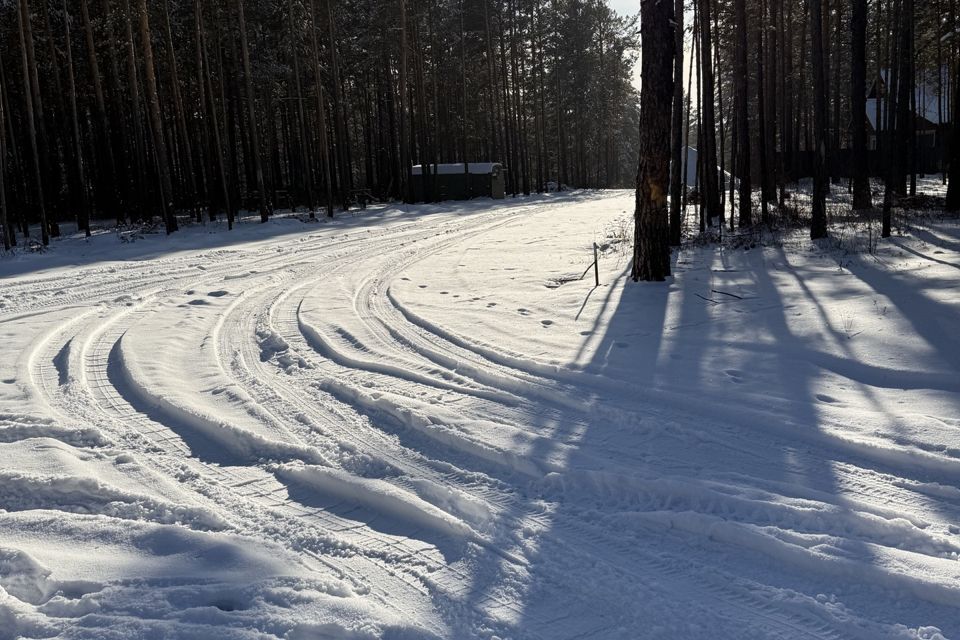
column 412, row 424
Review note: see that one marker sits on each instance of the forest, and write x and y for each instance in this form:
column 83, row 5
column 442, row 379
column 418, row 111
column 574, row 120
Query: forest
column 136, row 110
column 834, row 90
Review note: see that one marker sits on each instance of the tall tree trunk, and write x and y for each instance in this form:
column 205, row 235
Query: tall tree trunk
column 818, row 225
column 106, row 176
column 156, row 121
column 953, row 161
column 651, row 253
column 677, row 185
column 862, row 198
column 181, row 119
column 31, row 97
column 405, row 186
column 212, row 114
column 710, row 187
column 307, row 169
column 83, row 219
column 252, row 114
column 9, row 237
column 742, row 122
column 140, row 145
column 321, row 109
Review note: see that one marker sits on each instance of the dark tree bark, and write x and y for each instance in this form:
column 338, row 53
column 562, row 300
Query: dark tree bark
column 252, row 114
column 651, row 253
column 953, row 183
column 107, row 181
column 862, row 198
column 405, row 168
column 677, row 185
column 31, row 97
column 818, row 224
column 8, row 235
column 83, row 217
column 212, row 115
column 156, row 122
column 321, row 109
column 708, row 148
column 742, row 122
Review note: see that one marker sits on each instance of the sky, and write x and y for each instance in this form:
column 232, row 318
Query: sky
column 628, row 7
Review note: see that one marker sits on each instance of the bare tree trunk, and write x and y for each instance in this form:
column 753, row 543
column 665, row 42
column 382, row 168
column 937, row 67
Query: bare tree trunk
column 252, row 114
column 677, row 185
column 708, row 148
column 181, row 119
column 307, row 169
column 818, row 225
column 953, row 161
column 862, row 198
column 742, row 124
column 9, row 237
column 321, row 109
column 31, row 96
column 214, row 125
column 651, row 253
column 107, row 176
column 83, row 219
column 405, row 187
column 156, row 121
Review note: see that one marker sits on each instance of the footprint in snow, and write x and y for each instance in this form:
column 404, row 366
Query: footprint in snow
column 822, row 397
column 586, row 333
column 735, row 375
column 218, row 294
column 198, row 302
column 491, row 304
column 546, row 323
column 523, row 312
column 422, row 286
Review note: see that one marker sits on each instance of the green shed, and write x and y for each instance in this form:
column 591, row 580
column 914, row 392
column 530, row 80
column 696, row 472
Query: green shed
column 460, row 181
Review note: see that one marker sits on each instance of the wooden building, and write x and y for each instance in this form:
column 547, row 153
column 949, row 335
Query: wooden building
column 461, row 181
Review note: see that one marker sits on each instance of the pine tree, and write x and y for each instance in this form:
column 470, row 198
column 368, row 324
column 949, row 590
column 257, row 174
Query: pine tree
column 651, row 253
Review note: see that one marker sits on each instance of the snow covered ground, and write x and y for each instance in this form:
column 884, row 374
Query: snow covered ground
column 414, row 423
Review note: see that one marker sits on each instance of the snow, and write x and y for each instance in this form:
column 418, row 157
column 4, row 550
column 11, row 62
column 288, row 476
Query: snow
column 418, row 422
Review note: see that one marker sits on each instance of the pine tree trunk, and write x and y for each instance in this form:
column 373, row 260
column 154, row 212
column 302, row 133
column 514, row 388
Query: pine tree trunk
column 953, row 161
column 181, row 119
column 107, row 176
column 710, row 187
column 83, row 219
column 405, row 187
column 862, row 198
column 742, row 122
column 31, row 94
column 156, row 121
column 677, row 185
column 9, row 237
column 321, row 109
column 818, row 225
column 214, row 124
column 651, row 253
column 252, row 114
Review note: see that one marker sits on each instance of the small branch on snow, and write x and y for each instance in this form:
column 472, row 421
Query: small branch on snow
column 732, row 295
column 707, row 299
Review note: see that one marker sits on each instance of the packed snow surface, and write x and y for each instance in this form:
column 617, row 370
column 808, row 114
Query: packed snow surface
column 420, row 423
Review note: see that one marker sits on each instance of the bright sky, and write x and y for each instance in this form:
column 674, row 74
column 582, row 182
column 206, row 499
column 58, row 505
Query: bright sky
column 628, row 7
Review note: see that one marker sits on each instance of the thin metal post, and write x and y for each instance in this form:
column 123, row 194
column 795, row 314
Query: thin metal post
column 596, row 265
